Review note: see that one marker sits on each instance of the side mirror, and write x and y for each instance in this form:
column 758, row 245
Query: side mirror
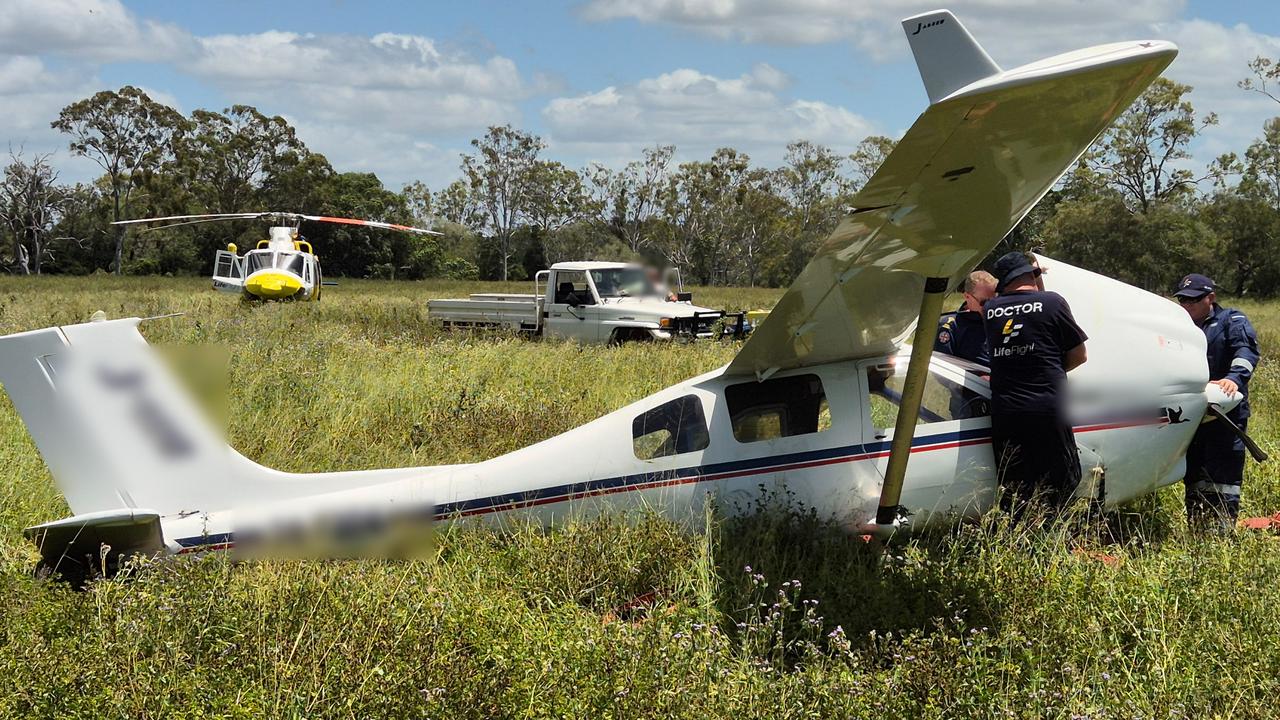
column 684, row 297
column 574, row 301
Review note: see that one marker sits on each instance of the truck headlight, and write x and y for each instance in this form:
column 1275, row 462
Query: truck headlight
column 665, row 322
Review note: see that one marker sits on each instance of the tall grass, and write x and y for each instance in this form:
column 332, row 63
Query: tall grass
column 772, row 615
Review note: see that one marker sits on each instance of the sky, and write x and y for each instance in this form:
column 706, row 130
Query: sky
column 400, row 88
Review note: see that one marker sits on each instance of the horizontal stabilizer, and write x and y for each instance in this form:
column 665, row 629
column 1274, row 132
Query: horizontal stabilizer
column 76, row 542
column 946, row 54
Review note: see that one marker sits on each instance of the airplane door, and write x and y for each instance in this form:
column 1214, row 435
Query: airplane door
column 573, row 311
column 952, row 469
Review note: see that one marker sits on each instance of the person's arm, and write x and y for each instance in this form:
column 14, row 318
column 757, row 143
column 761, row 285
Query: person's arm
column 1243, row 343
column 1075, row 357
column 1070, row 335
column 945, row 340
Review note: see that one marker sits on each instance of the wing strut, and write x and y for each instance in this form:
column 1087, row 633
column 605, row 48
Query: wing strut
column 890, row 511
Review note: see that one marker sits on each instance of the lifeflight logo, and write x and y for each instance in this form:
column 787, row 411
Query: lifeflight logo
column 1010, row 331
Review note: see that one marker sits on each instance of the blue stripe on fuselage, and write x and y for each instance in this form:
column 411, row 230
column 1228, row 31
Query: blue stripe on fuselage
column 710, row 471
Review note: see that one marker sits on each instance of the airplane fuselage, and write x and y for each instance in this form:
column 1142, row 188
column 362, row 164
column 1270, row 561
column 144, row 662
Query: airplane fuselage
column 819, row 437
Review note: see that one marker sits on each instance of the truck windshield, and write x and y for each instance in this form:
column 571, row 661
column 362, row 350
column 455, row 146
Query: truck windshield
column 622, row 282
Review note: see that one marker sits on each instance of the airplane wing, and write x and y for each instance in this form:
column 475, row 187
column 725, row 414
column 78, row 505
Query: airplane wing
column 989, row 146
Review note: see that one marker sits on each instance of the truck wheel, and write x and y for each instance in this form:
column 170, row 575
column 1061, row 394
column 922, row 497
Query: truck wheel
column 625, row 335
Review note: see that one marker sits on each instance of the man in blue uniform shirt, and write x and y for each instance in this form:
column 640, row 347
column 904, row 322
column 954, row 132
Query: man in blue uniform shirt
column 961, row 333
column 1215, row 460
column 1034, row 342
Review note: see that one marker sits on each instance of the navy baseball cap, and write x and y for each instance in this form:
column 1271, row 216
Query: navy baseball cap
column 1011, row 265
column 1194, row 285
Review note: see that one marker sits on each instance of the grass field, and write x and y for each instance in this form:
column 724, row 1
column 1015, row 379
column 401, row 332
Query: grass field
column 767, row 616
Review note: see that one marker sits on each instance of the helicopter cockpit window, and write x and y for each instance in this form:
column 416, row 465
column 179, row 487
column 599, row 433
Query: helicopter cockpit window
column 776, row 408
column 672, row 428
column 293, row 263
column 256, row 261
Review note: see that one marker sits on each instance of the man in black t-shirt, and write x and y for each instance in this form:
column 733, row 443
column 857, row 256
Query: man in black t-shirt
column 1034, row 342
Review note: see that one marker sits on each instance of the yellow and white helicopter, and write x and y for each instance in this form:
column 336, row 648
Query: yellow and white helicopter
column 281, row 267
column 807, row 404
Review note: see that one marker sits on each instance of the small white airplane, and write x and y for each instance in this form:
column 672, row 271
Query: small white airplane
column 281, row 267
column 826, row 399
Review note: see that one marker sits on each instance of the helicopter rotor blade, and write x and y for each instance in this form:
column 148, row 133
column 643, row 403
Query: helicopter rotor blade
column 177, row 220
column 188, row 222
column 368, row 223
column 208, row 217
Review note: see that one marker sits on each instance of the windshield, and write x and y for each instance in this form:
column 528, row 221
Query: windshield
column 256, row 261
column 622, row 282
column 264, row 259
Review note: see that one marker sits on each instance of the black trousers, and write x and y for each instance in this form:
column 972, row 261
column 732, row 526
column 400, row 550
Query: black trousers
column 1037, row 461
column 1215, row 471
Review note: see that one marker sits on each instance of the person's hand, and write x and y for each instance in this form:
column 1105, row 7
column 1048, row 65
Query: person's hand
column 1228, row 386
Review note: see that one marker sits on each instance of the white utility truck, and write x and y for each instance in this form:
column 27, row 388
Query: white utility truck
column 594, row 302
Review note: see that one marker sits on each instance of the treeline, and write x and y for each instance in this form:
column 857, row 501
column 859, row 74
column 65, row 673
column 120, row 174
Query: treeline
column 1131, row 208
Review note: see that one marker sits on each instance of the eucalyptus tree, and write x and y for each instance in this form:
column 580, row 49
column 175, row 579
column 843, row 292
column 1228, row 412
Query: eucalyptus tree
column 1142, row 154
column 630, row 199
column 868, row 156
column 128, row 135
column 812, row 183
column 229, row 156
column 498, row 176
column 555, row 197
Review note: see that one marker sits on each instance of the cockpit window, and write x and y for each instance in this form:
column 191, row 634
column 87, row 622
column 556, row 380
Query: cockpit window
column 623, row 282
column 943, row 399
column 256, row 261
column 672, row 428
column 266, row 259
column 777, row 408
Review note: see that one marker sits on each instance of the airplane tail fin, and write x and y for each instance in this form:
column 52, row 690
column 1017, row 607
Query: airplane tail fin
column 109, row 419
column 120, row 433
column 946, row 54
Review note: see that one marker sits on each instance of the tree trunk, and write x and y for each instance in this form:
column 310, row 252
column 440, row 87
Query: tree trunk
column 38, row 246
column 118, row 263
column 504, row 249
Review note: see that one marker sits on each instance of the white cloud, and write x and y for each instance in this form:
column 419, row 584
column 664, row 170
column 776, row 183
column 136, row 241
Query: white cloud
column 698, row 113
column 396, row 158
column 363, row 100
column 31, row 95
column 1212, row 59
column 1017, row 29
column 403, row 83
column 101, row 30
